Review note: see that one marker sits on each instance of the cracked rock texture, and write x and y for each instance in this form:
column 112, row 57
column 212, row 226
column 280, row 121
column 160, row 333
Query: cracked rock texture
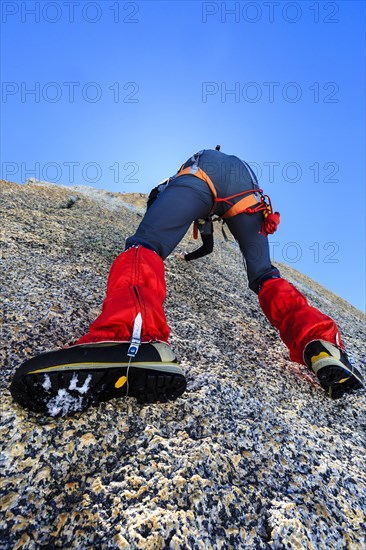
column 253, row 455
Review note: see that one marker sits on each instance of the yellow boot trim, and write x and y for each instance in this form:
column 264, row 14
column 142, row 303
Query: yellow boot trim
column 120, row 382
column 321, row 355
column 162, row 367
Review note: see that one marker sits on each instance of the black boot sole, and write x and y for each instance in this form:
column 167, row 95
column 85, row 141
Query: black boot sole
column 337, row 380
column 63, row 382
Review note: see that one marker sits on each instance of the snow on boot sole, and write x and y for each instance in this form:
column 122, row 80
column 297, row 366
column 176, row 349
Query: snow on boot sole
column 70, row 380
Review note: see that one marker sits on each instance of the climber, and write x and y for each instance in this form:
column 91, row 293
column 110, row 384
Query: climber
column 126, row 350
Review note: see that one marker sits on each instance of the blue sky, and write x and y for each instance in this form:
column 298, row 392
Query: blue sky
column 118, row 94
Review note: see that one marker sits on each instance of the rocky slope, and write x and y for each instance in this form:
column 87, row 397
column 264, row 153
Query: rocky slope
column 253, row 455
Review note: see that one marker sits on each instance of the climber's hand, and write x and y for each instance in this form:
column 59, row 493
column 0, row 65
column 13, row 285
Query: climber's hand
column 179, row 255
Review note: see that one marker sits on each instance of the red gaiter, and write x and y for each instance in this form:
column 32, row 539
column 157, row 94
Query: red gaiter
column 298, row 322
column 136, row 284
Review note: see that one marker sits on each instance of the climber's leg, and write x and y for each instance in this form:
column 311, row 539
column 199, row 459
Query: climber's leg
column 254, row 247
column 168, row 219
column 136, row 282
column 298, row 322
column 312, row 337
column 125, row 351
column 284, row 306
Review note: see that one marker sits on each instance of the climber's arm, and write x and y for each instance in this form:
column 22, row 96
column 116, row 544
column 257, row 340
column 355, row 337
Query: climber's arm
column 206, row 248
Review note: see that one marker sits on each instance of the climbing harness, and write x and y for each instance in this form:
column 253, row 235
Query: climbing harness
column 248, row 204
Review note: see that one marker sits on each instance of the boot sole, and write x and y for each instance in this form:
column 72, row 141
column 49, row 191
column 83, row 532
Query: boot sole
column 337, row 380
column 71, row 380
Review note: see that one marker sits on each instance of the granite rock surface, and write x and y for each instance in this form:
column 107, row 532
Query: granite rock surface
column 254, row 455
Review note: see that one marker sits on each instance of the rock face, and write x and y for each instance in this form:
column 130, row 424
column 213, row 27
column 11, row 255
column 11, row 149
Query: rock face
column 253, row 455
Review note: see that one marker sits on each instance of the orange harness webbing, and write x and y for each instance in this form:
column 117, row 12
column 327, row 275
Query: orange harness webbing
column 199, row 173
column 238, row 208
column 245, row 205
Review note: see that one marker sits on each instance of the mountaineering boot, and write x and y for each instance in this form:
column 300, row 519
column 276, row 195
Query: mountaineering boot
column 70, row 380
column 332, row 367
column 124, row 353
